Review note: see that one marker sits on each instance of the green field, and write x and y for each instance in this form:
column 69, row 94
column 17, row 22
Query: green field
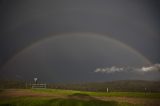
column 110, row 94
column 60, row 102
column 56, row 97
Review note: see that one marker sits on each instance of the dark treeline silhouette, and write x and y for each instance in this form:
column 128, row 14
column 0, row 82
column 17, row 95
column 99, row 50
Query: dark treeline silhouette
column 113, row 86
column 7, row 84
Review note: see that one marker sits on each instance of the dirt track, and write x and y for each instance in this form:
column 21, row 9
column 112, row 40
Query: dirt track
column 12, row 93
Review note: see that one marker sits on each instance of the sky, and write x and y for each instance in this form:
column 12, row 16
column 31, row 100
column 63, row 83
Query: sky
column 69, row 40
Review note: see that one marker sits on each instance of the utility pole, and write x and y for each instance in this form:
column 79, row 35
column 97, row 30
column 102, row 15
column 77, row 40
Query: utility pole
column 107, row 90
column 145, row 89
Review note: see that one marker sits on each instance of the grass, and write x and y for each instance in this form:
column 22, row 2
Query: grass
column 110, row 94
column 60, row 102
column 72, row 98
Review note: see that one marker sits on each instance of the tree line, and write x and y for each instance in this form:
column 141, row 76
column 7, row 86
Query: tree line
column 112, row 86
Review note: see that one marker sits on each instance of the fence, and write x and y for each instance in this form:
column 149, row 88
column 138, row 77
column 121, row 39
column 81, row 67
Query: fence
column 39, row 86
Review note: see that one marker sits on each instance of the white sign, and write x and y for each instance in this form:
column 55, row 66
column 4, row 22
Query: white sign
column 35, row 79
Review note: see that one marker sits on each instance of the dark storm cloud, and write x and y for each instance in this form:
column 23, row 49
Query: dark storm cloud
column 73, row 57
column 134, row 22
column 130, row 21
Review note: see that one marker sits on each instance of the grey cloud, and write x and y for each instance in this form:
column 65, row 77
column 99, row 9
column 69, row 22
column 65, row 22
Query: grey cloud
column 110, row 69
column 113, row 69
column 155, row 67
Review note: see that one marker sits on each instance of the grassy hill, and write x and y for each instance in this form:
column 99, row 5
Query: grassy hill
column 57, row 97
column 113, row 86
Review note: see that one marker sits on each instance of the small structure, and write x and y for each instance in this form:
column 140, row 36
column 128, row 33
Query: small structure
column 37, row 85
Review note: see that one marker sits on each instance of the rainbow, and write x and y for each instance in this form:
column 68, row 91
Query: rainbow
column 121, row 44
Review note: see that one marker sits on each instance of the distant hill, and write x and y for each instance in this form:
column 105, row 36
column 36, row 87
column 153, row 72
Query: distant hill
column 121, row 85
